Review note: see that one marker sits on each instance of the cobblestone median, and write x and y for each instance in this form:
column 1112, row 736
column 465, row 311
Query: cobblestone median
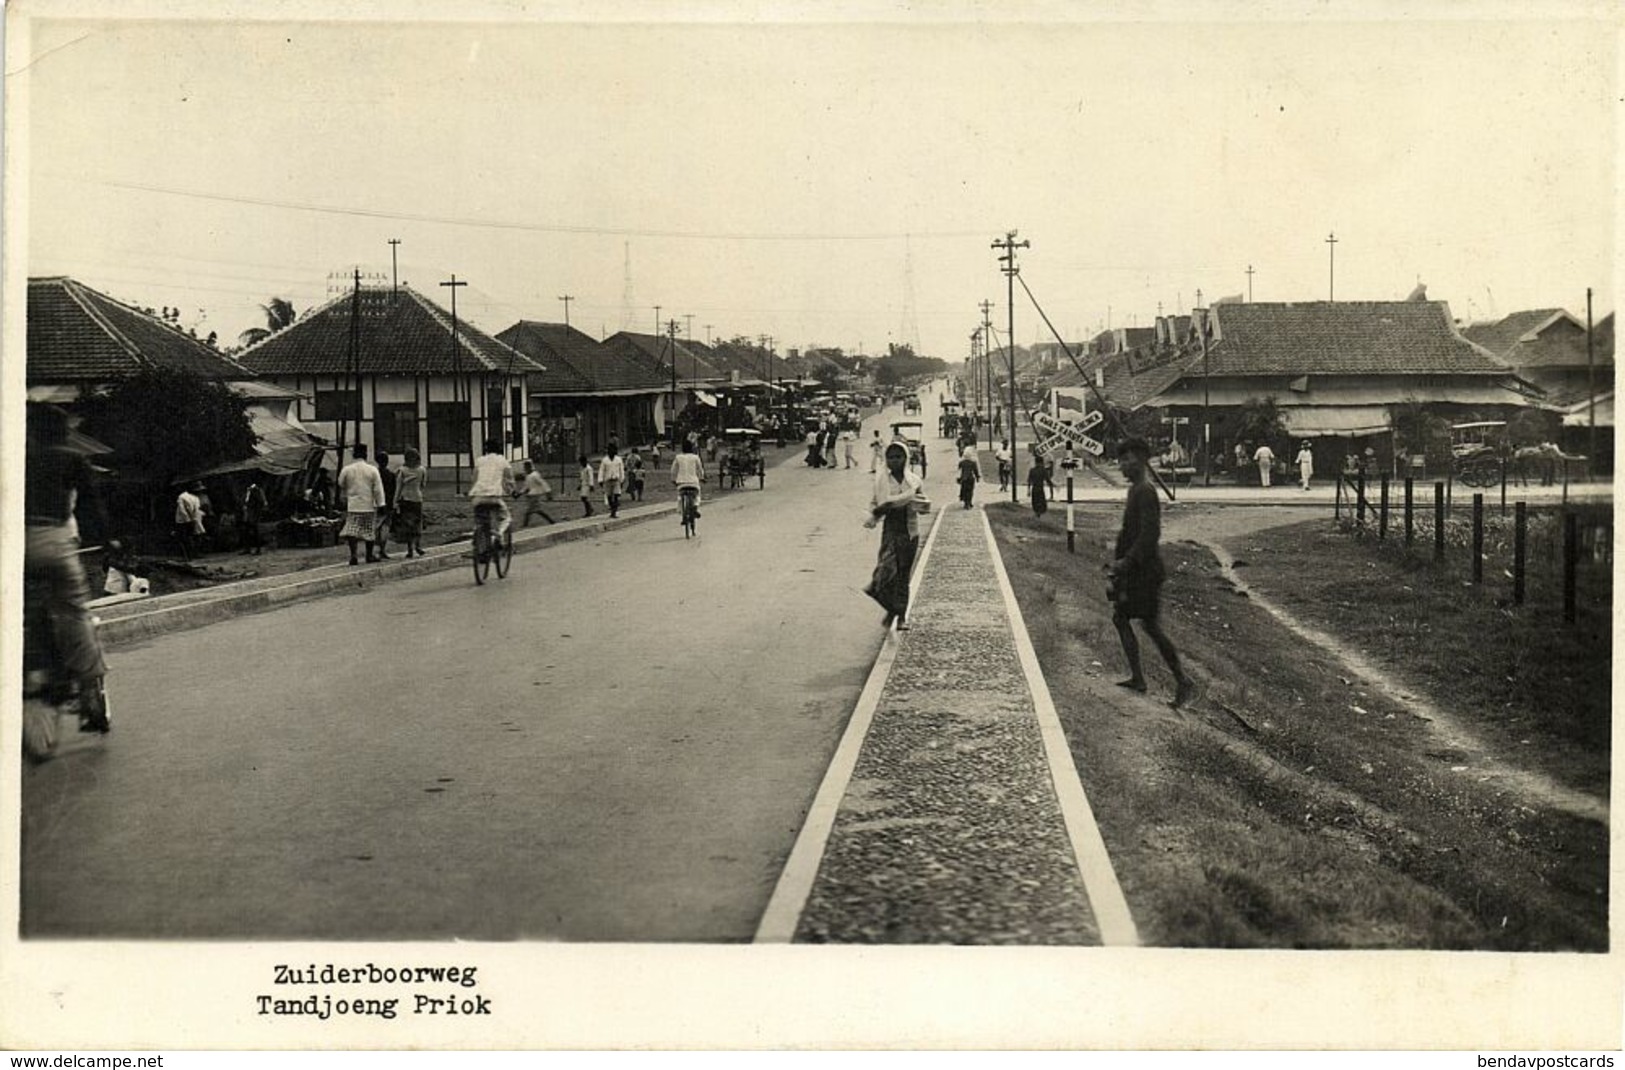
column 950, row 830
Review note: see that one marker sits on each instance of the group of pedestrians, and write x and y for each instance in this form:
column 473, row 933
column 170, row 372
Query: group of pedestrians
column 821, row 446
column 380, row 502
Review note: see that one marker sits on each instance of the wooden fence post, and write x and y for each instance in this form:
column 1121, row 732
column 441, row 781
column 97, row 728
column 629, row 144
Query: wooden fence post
column 1571, row 555
column 1438, row 521
column 1478, row 538
column 1520, row 530
column 1071, row 531
column 1410, row 514
column 1382, row 516
column 1359, row 498
column 1503, row 486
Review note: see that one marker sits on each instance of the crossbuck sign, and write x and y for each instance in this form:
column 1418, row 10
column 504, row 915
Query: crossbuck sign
column 1056, row 435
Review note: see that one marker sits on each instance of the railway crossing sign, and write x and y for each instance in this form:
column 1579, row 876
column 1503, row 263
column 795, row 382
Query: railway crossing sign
column 1057, row 434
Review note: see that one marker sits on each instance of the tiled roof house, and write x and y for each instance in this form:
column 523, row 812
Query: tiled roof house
column 1340, row 368
column 1547, row 346
column 404, row 383
column 588, row 394
column 80, row 338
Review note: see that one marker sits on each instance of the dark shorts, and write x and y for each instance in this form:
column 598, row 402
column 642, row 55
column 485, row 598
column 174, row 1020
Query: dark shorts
column 1137, row 599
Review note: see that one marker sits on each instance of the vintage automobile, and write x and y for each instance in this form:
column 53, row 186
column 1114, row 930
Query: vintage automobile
column 742, row 458
column 912, row 433
column 911, row 405
column 948, row 423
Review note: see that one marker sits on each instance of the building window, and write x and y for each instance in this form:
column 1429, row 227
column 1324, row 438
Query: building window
column 448, row 427
column 338, row 404
column 395, row 426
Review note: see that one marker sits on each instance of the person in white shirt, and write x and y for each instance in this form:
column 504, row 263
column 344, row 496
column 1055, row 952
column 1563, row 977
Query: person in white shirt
column 849, row 443
column 687, row 473
column 537, row 491
column 611, row 474
column 1266, row 461
column 895, row 504
column 493, row 485
column 876, row 450
column 188, row 519
column 363, row 492
column 1306, row 465
column 1002, row 455
column 584, row 482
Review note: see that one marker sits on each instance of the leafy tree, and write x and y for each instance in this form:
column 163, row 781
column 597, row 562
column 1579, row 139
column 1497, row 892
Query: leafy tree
column 1260, row 421
column 164, row 423
column 1422, row 432
column 279, row 313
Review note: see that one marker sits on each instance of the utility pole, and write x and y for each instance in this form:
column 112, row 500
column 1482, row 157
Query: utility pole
column 708, row 336
column 1009, row 244
column 458, row 386
column 351, row 362
column 1331, row 271
column 688, row 334
column 395, row 270
column 1591, row 393
column 1249, row 284
column 1207, row 433
column 657, row 321
column 987, row 364
column 566, row 298
column 671, row 339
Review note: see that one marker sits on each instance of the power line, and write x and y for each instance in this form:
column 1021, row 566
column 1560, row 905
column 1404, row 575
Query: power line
column 547, row 228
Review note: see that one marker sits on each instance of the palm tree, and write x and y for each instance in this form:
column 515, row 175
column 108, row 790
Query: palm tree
column 279, row 313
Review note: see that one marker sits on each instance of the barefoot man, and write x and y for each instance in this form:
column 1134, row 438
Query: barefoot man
column 1137, row 573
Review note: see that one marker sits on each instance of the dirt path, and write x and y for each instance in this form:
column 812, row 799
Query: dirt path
column 1216, row 530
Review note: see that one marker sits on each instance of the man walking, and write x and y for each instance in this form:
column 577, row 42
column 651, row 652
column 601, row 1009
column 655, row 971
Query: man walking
column 611, row 474
column 1002, row 456
column 1266, row 461
column 363, row 493
column 1136, row 572
column 1306, row 465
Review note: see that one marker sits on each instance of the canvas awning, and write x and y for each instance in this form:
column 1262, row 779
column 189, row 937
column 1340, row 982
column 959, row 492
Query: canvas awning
column 1337, row 419
column 1580, row 416
column 705, row 398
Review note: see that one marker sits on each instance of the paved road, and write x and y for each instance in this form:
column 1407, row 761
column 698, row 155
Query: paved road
column 618, row 742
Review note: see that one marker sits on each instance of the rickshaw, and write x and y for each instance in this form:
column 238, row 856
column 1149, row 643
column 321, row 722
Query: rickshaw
column 912, row 433
column 743, row 458
column 949, row 423
column 1476, row 453
column 911, row 405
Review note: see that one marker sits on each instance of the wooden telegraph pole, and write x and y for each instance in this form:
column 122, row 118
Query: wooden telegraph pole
column 1009, row 244
column 459, row 388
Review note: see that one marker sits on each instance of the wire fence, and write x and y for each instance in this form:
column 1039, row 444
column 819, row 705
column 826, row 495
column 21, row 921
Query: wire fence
column 1564, row 550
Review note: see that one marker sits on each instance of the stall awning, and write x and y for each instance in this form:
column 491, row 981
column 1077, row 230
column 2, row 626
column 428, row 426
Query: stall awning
column 1580, row 415
column 1337, row 419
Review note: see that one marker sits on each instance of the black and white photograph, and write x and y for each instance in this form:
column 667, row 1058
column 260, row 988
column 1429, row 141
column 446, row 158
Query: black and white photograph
column 771, row 526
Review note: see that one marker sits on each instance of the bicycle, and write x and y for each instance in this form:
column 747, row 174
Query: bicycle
column 690, row 509
column 488, row 549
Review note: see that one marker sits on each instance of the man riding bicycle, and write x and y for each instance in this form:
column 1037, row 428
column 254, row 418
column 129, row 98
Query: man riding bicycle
column 59, row 639
column 493, row 485
column 688, row 472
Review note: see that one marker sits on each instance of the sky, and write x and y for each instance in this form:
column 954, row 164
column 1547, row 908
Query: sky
column 836, row 183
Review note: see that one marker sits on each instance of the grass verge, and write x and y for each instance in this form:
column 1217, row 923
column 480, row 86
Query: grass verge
column 1294, row 805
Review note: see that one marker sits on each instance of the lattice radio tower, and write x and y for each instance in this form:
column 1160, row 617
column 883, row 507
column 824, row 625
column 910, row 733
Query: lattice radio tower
column 909, row 330
column 627, row 303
